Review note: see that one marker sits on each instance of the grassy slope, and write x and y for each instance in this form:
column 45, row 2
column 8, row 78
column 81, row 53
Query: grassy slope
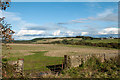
column 46, row 40
column 52, row 40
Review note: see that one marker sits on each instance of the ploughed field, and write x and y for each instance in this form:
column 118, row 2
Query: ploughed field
column 38, row 56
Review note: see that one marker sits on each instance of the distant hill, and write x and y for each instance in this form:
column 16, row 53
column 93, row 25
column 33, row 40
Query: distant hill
column 49, row 40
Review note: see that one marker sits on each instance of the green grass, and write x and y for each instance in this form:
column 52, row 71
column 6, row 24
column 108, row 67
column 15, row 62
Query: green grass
column 103, row 41
column 38, row 61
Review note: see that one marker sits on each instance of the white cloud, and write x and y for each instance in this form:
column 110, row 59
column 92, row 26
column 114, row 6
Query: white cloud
column 70, row 33
column 107, row 15
column 16, row 20
column 84, row 33
column 29, row 32
column 56, row 33
column 24, row 37
column 109, row 31
column 106, row 12
column 65, row 33
column 10, row 16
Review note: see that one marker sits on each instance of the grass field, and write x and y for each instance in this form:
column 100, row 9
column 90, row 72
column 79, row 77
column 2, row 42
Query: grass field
column 78, row 39
column 52, row 40
column 38, row 61
column 38, row 56
column 104, row 41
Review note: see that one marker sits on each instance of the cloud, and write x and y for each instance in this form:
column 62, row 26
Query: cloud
column 19, row 23
column 56, row 33
column 78, row 21
column 107, row 15
column 62, row 23
column 10, row 16
column 65, row 33
column 26, row 30
column 109, row 31
column 83, row 19
column 15, row 19
column 84, row 33
column 32, row 26
column 47, row 27
column 72, row 22
column 29, row 32
column 24, row 37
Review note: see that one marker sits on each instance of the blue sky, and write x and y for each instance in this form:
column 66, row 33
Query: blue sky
column 65, row 0
column 52, row 19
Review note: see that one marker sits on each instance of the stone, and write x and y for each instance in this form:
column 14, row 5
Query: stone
column 76, row 60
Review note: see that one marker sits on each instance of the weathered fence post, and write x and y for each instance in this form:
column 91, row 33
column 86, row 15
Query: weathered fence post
column 65, row 62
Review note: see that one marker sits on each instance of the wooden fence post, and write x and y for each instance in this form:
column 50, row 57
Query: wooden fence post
column 65, row 61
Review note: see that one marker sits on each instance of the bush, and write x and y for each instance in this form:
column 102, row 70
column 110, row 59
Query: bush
column 93, row 68
column 82, row 42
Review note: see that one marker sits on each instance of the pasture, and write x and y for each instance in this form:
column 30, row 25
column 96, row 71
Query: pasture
column 45, row 40
column 38, row 56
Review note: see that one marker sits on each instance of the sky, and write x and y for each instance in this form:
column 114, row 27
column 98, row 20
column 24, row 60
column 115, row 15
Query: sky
column 65, row 0
column 60, row 19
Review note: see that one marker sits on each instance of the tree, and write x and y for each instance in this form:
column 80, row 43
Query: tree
column 5, row 28
column 5, row 34
column 4, row 4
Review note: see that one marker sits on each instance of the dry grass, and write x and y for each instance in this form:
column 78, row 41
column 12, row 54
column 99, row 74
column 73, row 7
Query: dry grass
column 47, row 40
column 56, row 50
column 52, row 40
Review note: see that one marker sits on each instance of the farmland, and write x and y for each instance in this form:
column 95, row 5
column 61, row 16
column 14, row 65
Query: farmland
column 36, row 55
column 40, row 53
column 79, row 39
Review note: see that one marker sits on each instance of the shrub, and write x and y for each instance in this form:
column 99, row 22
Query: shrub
column 93, row 68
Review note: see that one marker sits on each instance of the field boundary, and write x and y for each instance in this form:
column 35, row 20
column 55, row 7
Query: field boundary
column 76, row 60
